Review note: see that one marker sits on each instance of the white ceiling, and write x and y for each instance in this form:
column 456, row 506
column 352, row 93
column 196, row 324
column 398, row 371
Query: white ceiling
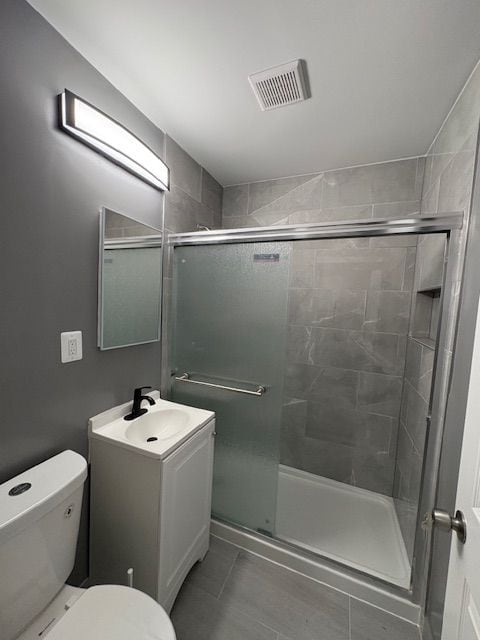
column 383, row 74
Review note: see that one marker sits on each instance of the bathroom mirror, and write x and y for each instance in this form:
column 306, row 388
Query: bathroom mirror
column 129, row 281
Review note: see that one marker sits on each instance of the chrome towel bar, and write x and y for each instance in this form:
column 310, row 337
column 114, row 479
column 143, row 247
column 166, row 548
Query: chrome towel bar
column 259, row 391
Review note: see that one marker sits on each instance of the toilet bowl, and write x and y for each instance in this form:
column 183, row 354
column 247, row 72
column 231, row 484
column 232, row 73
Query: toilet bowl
column 39, row 521
column 113, row 612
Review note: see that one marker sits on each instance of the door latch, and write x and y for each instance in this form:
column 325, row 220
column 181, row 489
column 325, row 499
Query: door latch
column 445, row 522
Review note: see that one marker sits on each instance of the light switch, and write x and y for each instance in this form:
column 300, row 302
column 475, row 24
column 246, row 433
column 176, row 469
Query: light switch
column 71, row 342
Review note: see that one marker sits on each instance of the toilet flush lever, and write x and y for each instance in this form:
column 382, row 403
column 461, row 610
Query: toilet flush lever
column 443, row 521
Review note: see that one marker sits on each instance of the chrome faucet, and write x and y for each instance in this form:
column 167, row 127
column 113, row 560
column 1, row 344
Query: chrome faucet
column 137, row 401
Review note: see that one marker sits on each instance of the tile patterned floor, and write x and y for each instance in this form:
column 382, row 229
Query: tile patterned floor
column 235, row 595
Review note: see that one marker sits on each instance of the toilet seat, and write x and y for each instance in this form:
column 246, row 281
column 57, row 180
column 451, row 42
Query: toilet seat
column 113, row 612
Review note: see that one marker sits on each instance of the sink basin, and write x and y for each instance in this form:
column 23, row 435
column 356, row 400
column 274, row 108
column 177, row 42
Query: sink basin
column 155, row 434
column 159, row 425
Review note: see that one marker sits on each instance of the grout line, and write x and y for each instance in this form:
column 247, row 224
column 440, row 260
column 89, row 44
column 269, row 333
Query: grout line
column 322, row 191
column 350, row 617
column 228, row 574
column 309, row 325
column 259, row 210
column 316, row 173
column 201, row 184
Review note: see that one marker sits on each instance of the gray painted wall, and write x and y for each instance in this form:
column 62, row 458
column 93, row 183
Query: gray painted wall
column 52, row 188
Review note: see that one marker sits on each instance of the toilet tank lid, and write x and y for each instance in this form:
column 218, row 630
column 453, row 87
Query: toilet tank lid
column 30, row 495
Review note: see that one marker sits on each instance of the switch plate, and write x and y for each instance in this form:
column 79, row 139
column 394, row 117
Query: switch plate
column 71, row 342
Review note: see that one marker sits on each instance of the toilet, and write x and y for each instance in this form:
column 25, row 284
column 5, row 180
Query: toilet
column 39, row 522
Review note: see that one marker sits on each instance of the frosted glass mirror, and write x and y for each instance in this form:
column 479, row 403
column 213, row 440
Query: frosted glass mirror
column 129, row 281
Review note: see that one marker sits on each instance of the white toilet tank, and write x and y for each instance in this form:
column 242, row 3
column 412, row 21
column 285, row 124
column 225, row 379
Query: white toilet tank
column 39, row 519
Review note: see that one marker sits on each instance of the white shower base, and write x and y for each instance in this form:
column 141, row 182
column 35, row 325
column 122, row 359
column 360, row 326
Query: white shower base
column 354, row 526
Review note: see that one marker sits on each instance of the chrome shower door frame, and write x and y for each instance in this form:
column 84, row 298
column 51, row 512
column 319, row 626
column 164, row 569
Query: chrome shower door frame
column 453, row 226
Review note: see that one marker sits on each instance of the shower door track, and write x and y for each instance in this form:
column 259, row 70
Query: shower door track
column 347, row 229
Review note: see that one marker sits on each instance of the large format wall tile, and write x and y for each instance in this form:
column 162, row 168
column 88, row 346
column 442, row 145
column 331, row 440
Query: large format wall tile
column 307, row 195
column 321, row 383
column 387, row 311
column 363, row 269
column 195, row 197
column 377, row 183
column 341, row 423
column 348, row 312
column 419, row 367
column 378, row 393
column 452, row 195
column 359, row 350
column 185, row 172
column 235, row 202
column 183, row 213
column 396, row 209
column 212, row 196
column 385, row 190
column 310, row 306
column 348, row 308
column 330, row 214
column 265, row 193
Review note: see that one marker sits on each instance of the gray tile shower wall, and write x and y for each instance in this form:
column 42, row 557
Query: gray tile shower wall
column 195, row 197
column 349, row 304
column 411, row 437
column 421, row 346
column 448, row 186
column 383, row 190
column 349, row 309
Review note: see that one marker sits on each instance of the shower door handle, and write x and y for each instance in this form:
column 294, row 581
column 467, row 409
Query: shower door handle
column 445, row 522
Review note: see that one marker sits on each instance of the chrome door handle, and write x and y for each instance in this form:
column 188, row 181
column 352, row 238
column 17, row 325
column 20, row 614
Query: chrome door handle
column 445, row 522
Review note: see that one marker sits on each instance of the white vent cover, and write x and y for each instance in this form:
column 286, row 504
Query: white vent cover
column 279, row 86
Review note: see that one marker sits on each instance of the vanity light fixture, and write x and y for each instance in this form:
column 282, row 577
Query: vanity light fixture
column 97, row 130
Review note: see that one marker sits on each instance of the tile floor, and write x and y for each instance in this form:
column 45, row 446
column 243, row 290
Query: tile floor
column 235, row 595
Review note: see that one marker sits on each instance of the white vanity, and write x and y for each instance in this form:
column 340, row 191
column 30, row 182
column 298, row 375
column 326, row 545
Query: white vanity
column 151, row 482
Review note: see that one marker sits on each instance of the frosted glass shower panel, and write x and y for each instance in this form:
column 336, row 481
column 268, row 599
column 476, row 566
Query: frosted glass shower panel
column 230, row 306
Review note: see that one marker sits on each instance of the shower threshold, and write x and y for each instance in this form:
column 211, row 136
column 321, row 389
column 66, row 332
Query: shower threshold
column 356, row 527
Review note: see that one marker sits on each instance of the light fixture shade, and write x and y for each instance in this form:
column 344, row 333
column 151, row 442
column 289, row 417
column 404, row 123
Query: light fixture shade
column 112, row 140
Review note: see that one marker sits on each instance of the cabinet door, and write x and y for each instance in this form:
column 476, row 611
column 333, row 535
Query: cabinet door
column 185, row 511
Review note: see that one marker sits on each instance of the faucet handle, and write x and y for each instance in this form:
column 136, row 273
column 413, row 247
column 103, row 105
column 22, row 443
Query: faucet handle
column 139, row 390
column 138, row 396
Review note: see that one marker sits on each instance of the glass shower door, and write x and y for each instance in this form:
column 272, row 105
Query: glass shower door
column 230, row 320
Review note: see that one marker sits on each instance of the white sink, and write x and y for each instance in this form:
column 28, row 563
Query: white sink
column 164, row 427
column 157, row 425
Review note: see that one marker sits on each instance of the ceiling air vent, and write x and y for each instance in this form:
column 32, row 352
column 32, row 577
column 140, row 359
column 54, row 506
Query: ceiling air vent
column 279, row 86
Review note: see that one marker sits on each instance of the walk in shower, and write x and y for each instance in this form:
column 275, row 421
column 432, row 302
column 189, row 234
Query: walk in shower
column 315, row 346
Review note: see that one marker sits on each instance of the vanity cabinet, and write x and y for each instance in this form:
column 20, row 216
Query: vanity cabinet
column 150, row 514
